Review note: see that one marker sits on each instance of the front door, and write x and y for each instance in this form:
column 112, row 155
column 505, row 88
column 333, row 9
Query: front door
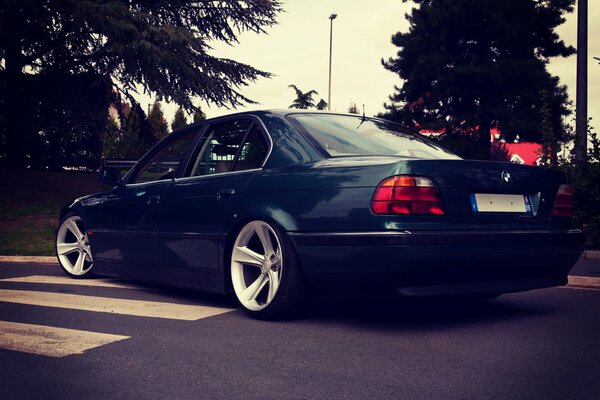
column 124, row 225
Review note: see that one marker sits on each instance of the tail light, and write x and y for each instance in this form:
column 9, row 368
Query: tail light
column 563, row 206
column 407, row 194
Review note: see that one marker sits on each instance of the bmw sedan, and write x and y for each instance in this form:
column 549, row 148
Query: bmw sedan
column 274, row 205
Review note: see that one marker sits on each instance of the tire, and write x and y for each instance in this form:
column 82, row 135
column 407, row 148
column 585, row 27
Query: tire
column 266, row 276
column 72, row 247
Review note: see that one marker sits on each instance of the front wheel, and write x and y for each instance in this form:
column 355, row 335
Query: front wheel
column 265, row 273
column 73, row 248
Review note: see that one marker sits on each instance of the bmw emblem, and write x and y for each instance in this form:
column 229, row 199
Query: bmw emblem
column 506, row 176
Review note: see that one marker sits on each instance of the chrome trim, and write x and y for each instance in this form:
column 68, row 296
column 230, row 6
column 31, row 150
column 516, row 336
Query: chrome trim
column 271, row 144
column 187, row 178
column 201, row 133
column 383, row 233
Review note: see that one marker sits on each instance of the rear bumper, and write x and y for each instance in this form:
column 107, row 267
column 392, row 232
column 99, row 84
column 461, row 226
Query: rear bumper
column 439, row 262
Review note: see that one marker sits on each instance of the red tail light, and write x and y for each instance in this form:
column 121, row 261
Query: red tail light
column 407, row 194
column 563, row 206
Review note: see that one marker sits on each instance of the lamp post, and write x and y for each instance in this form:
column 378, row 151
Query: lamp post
column 581, row 95
column 331, row 18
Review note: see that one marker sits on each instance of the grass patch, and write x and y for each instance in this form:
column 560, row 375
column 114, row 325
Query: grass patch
column 30, row 202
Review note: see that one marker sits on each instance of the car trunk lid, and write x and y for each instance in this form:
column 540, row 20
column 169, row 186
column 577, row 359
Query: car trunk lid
column 491, row 191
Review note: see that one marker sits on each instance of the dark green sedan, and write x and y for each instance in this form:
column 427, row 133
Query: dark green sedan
column 275, row 205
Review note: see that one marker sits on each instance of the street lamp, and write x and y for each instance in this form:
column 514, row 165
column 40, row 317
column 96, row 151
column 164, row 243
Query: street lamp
column 331, row 18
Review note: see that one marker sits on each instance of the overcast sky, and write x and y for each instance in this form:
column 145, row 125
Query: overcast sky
column 296, row 51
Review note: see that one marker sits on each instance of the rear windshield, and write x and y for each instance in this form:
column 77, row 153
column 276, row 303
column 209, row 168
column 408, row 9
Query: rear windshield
column 344, row 135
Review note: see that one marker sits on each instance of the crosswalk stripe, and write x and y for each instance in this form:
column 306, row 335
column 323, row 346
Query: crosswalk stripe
column 64, row 280
column 51, row 341
column 110, row 305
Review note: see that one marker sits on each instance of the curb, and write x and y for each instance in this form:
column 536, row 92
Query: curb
column 29, row 259
column 592, row 254
column 584, row 282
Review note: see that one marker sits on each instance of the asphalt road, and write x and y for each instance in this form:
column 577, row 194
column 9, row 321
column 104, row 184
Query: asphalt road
column 543, row 344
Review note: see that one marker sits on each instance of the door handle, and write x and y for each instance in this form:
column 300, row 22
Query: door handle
column 153, row 200
column 225, row 193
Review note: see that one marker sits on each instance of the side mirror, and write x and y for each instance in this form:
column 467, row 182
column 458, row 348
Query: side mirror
column 110, row 176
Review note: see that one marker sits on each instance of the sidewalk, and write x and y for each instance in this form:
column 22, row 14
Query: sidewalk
column 588, row 265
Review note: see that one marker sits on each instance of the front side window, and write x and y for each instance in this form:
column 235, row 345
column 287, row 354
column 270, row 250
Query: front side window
column 340, row 135
column 164, row 164
column 230, row 146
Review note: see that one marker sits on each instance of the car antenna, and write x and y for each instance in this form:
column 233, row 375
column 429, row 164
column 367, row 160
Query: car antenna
column 363, row 118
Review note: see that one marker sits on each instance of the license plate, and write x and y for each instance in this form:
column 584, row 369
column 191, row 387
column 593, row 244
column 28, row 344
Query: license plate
column 500, row 203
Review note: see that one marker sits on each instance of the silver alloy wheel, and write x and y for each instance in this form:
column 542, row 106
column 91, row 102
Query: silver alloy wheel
column 73, row 247
column 256, row 265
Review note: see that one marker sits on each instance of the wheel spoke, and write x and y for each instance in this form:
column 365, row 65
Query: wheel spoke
column 244, row 255
column 72, row 226
column 265, row 239
column 273, row 285
column 88, row 254
column 252, row 291
column 66, row 248
column 78, row 267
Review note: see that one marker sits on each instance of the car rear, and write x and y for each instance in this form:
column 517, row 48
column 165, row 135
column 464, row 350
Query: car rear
column 430, row 224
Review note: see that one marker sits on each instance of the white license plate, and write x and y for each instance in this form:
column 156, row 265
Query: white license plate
column 509, row 203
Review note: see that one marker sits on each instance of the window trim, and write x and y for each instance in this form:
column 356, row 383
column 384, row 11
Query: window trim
column 158, row 147
column 198, row 146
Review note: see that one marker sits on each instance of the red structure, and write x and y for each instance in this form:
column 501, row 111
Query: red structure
column 527, row 153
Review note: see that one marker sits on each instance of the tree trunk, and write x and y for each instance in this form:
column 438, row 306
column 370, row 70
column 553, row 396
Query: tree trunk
column 14, row 135
column 484, row 141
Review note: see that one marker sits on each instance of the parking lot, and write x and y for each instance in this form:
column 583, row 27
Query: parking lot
column 103, row 338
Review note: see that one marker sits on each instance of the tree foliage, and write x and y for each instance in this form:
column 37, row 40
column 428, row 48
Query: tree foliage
column 321, row 105
column 303, row 100
column 158, row 124
column 159, row 46
column 199, row 115
column 179, row 120
column 131, row 137
column 585, row 178
column 479, row 64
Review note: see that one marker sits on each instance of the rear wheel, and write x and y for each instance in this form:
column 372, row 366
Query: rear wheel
column 265, row 273
column 73, row 248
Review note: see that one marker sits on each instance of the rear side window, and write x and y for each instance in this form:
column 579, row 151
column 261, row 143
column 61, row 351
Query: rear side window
column 340, row 136
column 230, row 146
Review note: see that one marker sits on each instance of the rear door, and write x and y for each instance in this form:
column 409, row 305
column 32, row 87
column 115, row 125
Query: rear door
column 197, row 206
column 124, row 225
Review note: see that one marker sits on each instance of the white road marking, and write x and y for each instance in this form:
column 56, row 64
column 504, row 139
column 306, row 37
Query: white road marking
column 51, row 341
column 65, row 280
column 110, row 305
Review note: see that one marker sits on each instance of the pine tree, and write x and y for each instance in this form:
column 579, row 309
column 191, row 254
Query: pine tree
column 179, row 120
column 321, row 105
column 303, row 100
column 199, row 115
column 135, row 136
column 158, row 124
column 159, row 46
column 473, row 65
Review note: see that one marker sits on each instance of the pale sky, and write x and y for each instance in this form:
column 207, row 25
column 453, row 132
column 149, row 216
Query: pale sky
column 296, row 51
